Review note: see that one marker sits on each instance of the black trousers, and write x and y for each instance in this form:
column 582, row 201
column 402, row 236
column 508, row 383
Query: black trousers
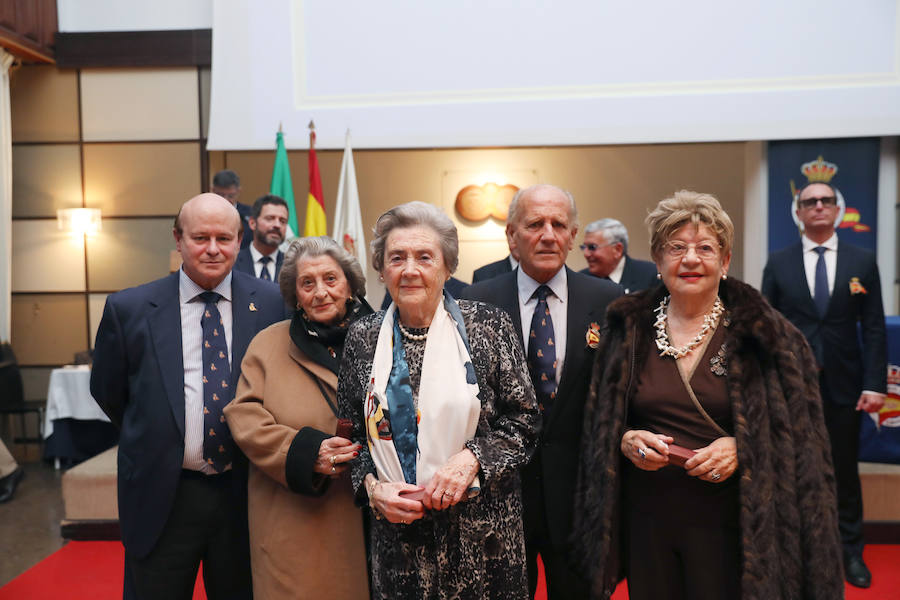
column 843, row 424
column 563, row 583
column 669, row 558
column 203, row 527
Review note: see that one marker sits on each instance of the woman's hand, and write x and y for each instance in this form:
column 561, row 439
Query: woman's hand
column 647, row 450
column 334, row 453
column 452, row 481
column 716, row 462
column 385, row 498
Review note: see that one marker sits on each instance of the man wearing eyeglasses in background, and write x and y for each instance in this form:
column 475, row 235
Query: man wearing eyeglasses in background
column 605, row 249
column 825, row 287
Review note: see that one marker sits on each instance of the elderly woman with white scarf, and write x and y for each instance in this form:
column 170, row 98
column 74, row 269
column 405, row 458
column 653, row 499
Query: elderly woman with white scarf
column 440, row 399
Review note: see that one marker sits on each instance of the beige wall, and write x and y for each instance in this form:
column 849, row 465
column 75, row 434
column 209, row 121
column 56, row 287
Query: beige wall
column 607, row 181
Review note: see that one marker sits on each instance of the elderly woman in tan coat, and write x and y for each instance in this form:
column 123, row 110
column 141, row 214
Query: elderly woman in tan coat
column 306, row 535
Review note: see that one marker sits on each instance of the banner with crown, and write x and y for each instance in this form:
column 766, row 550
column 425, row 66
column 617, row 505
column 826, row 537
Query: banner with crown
column 849, row 165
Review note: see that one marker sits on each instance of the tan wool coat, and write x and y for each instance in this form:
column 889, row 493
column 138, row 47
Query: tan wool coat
column 306, row 534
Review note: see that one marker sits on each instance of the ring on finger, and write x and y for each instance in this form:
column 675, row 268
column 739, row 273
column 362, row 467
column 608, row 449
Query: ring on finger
column 332, row 459
column 642, row 453
column 333, row 470
column 716, row 476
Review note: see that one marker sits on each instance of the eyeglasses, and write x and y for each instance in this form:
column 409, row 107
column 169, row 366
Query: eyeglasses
column 704, row 250
column 595, row 247
column 811, row 202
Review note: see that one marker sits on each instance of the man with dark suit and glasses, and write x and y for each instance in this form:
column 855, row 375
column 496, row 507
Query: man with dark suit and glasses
column 166, row 362
column 826, row 287
column 553, row 309
column 605, row 249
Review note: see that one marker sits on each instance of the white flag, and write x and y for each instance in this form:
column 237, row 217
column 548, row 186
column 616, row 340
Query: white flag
column 348, row 228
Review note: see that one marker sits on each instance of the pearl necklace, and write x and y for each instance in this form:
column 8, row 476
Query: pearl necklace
column 710, row 321
column 415, row 337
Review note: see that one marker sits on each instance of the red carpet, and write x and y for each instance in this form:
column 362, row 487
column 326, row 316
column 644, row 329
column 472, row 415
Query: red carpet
column 94, row 570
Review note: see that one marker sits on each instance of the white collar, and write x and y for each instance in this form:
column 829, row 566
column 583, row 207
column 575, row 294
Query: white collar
column 558, row 284
column 188, row 288
column 616, row 274
column 831, row 243
column 256, row 254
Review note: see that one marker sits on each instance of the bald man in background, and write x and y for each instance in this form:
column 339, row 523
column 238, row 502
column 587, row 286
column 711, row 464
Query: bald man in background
column 166, row 362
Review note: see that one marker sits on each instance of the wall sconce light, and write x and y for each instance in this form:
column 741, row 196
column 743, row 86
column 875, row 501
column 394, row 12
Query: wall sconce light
column 79, row 221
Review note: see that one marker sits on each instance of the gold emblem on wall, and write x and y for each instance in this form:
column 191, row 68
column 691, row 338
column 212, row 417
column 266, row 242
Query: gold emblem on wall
column 478, row 202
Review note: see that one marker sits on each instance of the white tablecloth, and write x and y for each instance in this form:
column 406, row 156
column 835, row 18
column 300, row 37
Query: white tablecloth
column 69, row 397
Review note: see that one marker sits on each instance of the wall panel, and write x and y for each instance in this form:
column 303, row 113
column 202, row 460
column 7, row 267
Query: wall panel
column 45, row 177
column 140, row 104
column 48, row 329
column 44, row 104
column 130, row 252
column 141, row 179
column 45, row 258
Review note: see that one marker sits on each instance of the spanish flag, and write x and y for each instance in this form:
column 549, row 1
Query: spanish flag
column 315, row 204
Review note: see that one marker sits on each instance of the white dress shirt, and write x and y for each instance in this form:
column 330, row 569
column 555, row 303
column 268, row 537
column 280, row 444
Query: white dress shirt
column 192, row 355
column 811, row 258
column 557, row 302
column 616, row 275
column 257, row 264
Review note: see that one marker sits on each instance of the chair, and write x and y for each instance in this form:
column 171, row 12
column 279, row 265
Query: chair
column 12, row 398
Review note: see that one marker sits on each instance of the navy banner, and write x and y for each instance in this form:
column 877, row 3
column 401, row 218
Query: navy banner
column 850, row 165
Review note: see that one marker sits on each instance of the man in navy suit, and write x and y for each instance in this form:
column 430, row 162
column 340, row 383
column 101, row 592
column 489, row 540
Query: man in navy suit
column 605, row 249
column 182, row 483
column 268, row 222
column 491, row 270
column 826, row 287
column 228, row 185
column 541, row 230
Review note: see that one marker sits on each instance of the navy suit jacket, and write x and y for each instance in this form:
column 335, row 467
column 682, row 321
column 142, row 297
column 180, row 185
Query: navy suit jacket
column 244, row 263
column 491, row 270
column 552, row 472
column 138, row 381
column 848, row 366
column 636, row 276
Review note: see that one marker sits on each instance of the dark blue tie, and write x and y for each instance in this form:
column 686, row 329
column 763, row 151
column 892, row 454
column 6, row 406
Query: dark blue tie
column 264, row 272
column 542, row 351
column 820, row 293
column 217, row 392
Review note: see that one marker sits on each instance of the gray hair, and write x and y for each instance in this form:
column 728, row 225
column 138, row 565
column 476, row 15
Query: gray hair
column 415, row 214
column 514, row 207
column 312, row 247
column 613, row 231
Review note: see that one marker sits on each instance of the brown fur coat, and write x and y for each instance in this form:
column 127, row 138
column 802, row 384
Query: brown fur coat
column 788, row 513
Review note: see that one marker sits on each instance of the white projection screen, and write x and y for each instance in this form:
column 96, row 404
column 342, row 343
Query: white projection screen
column 423, row 74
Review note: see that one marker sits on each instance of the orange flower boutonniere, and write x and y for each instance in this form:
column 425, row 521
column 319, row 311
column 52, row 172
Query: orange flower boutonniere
column 593, row 335
column 856, row 287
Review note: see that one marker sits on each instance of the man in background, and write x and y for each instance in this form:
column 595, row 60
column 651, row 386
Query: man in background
column 268, row 222
column 826, row 287
column 605, row 249
column 166, row 362
column 552, row 308
column 491, row 270
column 228, row 185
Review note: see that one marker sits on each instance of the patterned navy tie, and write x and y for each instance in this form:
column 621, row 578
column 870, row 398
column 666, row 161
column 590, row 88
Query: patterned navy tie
column 542, row 351
column 264, row 272
column 217, row 392
column 820, row 293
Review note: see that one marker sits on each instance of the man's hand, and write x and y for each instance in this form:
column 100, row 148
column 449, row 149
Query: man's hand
column 870, row 402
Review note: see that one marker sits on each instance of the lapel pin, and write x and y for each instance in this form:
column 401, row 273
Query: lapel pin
column 252, row 307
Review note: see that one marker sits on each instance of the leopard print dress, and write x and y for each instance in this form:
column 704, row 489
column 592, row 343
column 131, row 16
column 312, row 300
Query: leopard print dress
column 476, row 549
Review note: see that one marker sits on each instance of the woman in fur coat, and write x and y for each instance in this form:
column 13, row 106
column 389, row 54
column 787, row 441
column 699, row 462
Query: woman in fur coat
column 705, row 468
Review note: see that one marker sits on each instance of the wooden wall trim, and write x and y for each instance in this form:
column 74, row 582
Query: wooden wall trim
column 175, row 48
